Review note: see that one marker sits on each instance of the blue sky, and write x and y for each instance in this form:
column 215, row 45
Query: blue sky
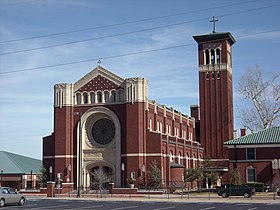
column 26, row 98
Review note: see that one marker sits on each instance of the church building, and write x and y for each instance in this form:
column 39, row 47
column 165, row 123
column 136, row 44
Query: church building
column 108, row 122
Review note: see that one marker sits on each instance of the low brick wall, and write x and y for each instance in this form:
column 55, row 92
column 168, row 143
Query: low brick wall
column 124, row 191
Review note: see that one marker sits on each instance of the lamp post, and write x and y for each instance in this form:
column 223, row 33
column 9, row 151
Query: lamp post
column 143, row 169
column 1, row 177
column 50, row 172
column 86, row 180
column 79, row 156
column 123, row 167
column 31, row 180
column 69, row 168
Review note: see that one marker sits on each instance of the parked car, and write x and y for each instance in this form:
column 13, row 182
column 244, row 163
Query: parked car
column 236, row 190
column 10, row 196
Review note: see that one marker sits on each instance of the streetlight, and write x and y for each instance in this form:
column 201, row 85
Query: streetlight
column 79, row 156
column 123, row 167
column 50, row 172
column 143, row 169
column 31, row 180
column 69, row 170
column 1, row 177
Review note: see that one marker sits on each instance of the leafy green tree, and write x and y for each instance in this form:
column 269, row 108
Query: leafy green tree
column 155, row 175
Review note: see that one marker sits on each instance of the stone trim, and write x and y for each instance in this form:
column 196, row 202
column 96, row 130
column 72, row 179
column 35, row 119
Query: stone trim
column 59, row 156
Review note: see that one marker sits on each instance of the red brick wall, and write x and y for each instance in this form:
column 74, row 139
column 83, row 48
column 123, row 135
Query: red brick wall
column 262, row 164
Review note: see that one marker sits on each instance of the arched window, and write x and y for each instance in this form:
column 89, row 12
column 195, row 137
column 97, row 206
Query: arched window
column 171, row 156
column 218, row 55
column 213, row 75
column 187, row 160
column 151, row 124
column 85, row 98
column 113, row 96
column 207, row 56
column 92, row 98
column 218, row 75
column 106, row 94
column 212, row 56
column 99, row 97
column 179, row 158
column 194, row 161
column 207, row 76
column 78, row 98
column 121, row 95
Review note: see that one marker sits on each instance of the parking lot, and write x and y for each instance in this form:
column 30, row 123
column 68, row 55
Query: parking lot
column 41, row 203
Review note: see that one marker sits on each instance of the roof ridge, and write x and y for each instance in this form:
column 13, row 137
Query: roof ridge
column 264, row 136
column 8, row 155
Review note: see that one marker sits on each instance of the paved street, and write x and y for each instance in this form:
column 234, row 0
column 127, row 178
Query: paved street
column 37, row 204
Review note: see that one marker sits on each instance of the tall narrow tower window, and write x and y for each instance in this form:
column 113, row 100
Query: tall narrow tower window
column 212, row 56
column 207, row 56
column 218, row 55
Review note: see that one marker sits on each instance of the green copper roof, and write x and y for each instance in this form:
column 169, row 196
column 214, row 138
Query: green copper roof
column 18, row 164
column 267, row 136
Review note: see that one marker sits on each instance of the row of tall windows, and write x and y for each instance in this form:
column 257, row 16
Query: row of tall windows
column 180, row 159
column 159, row 128
column 99, row 97
column 212, row 56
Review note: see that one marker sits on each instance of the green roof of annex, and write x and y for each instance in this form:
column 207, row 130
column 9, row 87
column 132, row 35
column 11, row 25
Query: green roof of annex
column 266, row 136
column 12, row 163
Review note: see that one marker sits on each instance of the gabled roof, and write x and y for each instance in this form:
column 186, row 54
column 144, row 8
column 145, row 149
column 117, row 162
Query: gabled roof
column 94, row 73
column 17, row 164
column 267, row 136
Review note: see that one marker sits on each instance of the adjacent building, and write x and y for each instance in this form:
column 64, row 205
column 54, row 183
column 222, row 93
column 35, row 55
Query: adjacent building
column 19, row 172
column 257, row 156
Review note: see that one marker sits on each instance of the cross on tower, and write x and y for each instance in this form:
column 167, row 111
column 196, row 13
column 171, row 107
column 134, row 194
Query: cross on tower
column 214, row 24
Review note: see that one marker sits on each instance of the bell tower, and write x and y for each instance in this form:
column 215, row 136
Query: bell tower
column 215, row 92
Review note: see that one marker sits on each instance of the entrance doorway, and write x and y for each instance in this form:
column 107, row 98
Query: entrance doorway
column 101, row 175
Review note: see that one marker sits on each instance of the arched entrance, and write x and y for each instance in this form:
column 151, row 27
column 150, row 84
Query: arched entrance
column 101, row 175
column 100, row 146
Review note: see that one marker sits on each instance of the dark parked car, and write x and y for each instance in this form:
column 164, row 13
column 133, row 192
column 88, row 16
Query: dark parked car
column 236, row 190
column 10, row 196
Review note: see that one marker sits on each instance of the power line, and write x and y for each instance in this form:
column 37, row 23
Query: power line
column 132, row 32
column 120, row 55
column 126, row 23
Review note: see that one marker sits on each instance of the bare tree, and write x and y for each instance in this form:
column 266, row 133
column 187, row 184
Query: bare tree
column 100, row 177
column 263, row 95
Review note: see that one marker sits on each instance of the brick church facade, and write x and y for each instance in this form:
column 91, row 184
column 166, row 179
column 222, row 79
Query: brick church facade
column 105, row 121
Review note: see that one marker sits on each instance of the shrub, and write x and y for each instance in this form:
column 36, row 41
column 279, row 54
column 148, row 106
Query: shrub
column 259, row 186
